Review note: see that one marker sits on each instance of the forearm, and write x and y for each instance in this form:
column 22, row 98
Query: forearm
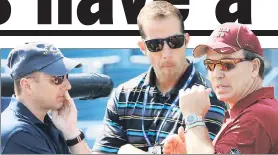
column 198, row 141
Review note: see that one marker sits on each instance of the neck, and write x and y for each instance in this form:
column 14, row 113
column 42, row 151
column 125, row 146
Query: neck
column 254, row 85
column 33, row 106
column 165, row 84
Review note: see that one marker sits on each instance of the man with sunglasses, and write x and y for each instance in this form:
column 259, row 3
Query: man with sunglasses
column 144, row 110
column 40, row 73
column 234, row 60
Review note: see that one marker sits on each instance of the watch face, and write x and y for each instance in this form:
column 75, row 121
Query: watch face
column 191, row 119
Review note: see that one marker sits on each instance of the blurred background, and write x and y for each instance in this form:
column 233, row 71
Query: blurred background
column 122, row 65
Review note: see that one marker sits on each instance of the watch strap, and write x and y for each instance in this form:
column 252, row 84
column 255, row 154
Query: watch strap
column 76, row 140
column 190, row 126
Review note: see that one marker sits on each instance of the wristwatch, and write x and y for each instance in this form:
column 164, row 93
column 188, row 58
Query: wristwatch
column 192, row 118
column 76, row 140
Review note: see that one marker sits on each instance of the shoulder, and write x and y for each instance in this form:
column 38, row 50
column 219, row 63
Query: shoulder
column 261, row 115
column 23, row 140
column 134, row 82
column 265, row 111
column 11, row 124
column 18, row 133
column 130, row 85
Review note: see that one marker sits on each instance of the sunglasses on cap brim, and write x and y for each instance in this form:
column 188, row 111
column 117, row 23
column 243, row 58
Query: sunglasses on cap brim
column 156, row 45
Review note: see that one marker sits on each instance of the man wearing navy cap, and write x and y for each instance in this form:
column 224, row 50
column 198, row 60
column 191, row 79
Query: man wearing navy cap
column 40, row 73
column 234, row 60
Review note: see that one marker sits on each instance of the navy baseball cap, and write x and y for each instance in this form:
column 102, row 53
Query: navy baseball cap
column 39, row 56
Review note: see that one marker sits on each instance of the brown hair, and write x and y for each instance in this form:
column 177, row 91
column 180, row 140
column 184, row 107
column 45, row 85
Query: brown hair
column 17, row 87
column 158, row 10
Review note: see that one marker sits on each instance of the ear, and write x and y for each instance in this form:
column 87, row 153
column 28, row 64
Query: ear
column 142, row 47
column 26, row 86
column 187, row 38
column 255, row 67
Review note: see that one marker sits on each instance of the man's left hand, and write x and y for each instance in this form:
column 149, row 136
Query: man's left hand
column 65, row 118
column 175, row 144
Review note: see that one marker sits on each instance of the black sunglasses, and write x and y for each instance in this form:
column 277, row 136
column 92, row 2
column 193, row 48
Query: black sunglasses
column 156, row 45
column 57, row 80
column 224, row 64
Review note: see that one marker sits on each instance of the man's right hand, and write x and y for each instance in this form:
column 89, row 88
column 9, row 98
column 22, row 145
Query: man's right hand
column 175, row 144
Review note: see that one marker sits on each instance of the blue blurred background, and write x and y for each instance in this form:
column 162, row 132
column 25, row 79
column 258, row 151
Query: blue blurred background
column 122, row 65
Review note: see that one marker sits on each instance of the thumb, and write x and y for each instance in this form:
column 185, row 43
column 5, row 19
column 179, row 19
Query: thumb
column 69, row 99
column 181, row 133
column 67, row 95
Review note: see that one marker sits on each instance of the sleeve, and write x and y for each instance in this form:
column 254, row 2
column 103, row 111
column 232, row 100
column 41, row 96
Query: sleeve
column 113, row 136
column 24, row 142
column 247, row 137
column 215, row 116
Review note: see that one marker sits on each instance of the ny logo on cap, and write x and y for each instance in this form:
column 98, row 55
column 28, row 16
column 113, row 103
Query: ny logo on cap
column 50, row 49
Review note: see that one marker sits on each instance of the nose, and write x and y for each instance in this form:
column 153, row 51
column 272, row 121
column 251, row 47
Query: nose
column 217, row 73
column 166, row 51
column 66, row 84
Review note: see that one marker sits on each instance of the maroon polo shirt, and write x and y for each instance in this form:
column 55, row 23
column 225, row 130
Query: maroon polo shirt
column 251, row 126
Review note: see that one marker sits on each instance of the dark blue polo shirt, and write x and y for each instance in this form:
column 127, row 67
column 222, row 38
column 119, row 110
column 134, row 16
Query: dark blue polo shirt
column 23, row 133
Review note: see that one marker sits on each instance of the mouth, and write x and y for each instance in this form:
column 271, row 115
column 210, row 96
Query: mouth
column 221, row 88
column 167, row 65
column 61, row 98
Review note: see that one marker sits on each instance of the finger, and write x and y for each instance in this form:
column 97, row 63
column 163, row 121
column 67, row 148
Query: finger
column 194, row 87
column 188, row 90
column 167, row 151
column 167, row 145
column 201, row 88
column 61, row 110
column 65, row 105
column 67, row 96
column 181, row 92
column 170, row 139
column 67, row 108
column 181, row 133
column 70, row 100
